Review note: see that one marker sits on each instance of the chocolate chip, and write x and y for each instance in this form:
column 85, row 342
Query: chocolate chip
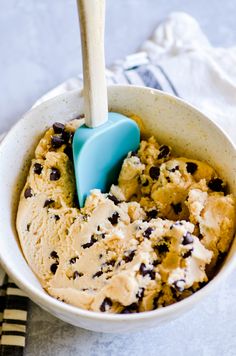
column 162, row 248
column 188, row 253
column 134, row 154
column 72, row 134
column 48, row 202
column 174, row 169
column 145, row 183
column 113, row 198
column 164, row 152
column 85, row 217
column 176, row 224
column 28, row 193
column 174, row 293
column 56, row 217
column 144, row 271
column 177, row 208
column 154, row 172
column 55, row 174
column 68, row 152
column 58, row 127
column 221, row 257
column 28, row 227
column 54, row 267
column 77, row 274
column 73, row 260
column 140, row 294
column 129, row 257
column 118, row 264
column 98, row 228
column 38, row 168
column 106, row 304
column 110, row 263
column 89, row 244
column 76, row 204
column 179, row 285
column 216, row 185
column 156, row 299
column 97, row 274
column 57, row 142
column 191, row 167
column 155, row 302
column 147, row 232
column 156, row 263
column 200, row 236
column 66, row 136
column 62, row 300
column 127, row 311
column 151, row 214
column 201, row 285
column 54, row 255
column 187, row 239
column 132, row 308
column 100, row 255
column 114, row 218
column 80, row 116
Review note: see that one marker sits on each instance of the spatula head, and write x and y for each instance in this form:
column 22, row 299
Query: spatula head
column 98, row 153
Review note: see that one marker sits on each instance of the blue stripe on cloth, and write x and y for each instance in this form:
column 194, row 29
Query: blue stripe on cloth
column 127, row 78
column 148, row 77
column 168, row 79
column 113, row 78
column 132, row 68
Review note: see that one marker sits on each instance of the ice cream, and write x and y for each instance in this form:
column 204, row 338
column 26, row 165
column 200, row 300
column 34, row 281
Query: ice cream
column 153, row 240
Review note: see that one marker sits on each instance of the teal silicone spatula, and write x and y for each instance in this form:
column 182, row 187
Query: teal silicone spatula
column 100, row 145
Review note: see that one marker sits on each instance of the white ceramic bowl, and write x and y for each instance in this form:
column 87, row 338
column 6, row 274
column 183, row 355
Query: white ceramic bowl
column 173, row 122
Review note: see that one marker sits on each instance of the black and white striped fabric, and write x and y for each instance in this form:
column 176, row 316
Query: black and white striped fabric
column 13, row 317
column 138, row 70
column 135, row 70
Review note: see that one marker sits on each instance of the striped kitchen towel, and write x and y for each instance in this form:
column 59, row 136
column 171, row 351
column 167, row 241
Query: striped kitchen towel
column 13, row 317
column 178, row 60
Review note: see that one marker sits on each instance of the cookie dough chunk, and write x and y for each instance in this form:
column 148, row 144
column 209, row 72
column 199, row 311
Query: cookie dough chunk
column 46, row 209
column 214, row 215
column 150, row 242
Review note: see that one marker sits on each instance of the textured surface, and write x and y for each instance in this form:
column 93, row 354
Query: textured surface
column 137, row 261
column 41, row 39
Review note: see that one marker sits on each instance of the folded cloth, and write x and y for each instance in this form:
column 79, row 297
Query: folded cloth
column 13, row 317
column 178, row 59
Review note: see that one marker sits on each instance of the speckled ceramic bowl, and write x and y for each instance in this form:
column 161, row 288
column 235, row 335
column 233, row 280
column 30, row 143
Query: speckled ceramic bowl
column 173, row 122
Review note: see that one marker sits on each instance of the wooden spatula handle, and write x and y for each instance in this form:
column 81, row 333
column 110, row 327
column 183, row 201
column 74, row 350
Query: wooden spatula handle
column 92, row 25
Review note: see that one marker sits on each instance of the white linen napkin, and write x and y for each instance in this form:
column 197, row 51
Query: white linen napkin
column 178, row 59
column 182, row 60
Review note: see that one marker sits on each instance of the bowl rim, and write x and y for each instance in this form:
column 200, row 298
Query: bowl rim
column 45, row 300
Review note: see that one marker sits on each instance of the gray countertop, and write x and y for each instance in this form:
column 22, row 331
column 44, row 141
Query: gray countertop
column 40, row 48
